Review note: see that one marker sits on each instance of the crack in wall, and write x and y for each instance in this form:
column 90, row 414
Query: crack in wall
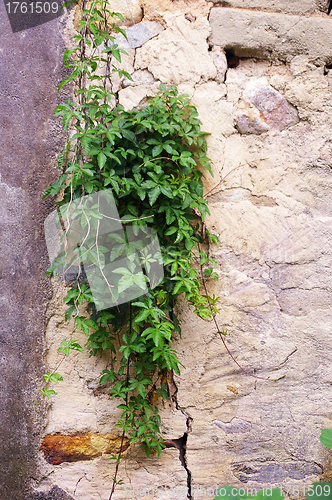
column 181, row 443
column 329, row 8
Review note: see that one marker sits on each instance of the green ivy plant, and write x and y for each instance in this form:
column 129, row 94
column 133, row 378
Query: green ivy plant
column 152, row 158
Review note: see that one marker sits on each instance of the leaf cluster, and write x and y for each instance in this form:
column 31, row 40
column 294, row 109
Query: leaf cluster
column 153, row 158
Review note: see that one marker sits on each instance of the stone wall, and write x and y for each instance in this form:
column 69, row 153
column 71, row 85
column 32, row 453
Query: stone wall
column 259, row 74
column 30, row 71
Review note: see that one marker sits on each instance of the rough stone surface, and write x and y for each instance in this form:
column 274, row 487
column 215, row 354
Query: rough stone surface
column 139, row 77
column 30, row 71
column 293, row 7
column 179, row 54
column 131, row 11
column 162, row 10
column 219, row 60
column 138, row 34
column 59, row 448
column 263, row 108
column 249, row 33
column 275, row 232
column 131, row 97
column 83, row 407
column 251, row 120
column 55, row 493
column 270, row 203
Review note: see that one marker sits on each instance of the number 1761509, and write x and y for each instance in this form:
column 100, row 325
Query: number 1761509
column 32, row 7
column 315, row 490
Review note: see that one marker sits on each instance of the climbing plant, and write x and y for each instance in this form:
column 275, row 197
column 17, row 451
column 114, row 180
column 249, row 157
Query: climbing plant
column 152, row 159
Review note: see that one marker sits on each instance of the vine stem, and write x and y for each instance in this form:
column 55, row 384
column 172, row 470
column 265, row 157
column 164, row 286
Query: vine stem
column 124, row 427
column 223, row 179
column 117, row 462
column 235, row 168
column 218, row 329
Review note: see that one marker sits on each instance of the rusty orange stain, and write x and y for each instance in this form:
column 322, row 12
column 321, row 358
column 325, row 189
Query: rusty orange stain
column 59, row 448
column 232, row 389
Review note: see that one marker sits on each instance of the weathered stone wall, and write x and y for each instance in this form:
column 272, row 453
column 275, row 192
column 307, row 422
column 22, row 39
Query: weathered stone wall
column 268, row 108
column 30, row 71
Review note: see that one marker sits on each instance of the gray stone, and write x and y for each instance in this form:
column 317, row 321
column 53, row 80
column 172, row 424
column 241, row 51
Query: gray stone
column 55, row 493
column 251, row 122
column 274, row 472
column 264, row 108
column 294, row 7
column 138, row 35
column 139, row 77
column 234, row 426
column 272, row 36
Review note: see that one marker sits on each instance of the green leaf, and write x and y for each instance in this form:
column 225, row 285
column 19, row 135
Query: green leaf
column 157, row 150
column 326, row 437
column 141, row 193
column 101, row 160
column 153, row 195
column 47, row 392
column 125, row 282
column 171, row 230
column 141, row 430
column 142, row 316
column 140, row 280
column 167, row 191
column 56, row 377
column 69, row 312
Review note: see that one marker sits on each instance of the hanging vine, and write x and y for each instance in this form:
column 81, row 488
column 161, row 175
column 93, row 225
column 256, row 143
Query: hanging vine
column 152, row 160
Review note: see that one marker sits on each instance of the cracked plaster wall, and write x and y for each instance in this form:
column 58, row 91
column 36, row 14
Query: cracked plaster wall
column 273, row 215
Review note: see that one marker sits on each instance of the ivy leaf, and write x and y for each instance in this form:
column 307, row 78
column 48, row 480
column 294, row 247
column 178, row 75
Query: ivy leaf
column 157, row 150
column 47, row 392
column 167, row 191
column 101, row 160
column 66, row 346
column 69, row 312
column 153, row 195
column 171, row 230
column 125, row 282
column 142, row 316
column 140, row 280
column 141, row 193
column 53, row 377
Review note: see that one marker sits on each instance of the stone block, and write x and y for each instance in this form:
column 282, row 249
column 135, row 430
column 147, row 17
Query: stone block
column 138, row 34
column 139, row 77
column 293, row 7
column 179, row 54
column 272, row 36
